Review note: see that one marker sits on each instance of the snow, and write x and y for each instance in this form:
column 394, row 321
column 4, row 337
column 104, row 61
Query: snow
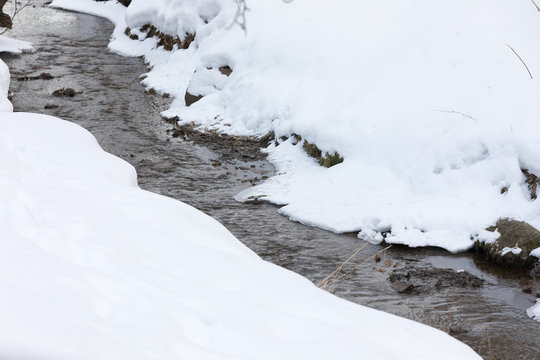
column 14, row 46
column 428, row 104
column 515, row 250
column 5, row 104
column 534, row 311
column 93, row 267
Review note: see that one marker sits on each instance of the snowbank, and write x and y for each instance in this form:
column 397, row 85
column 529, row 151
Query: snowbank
column 92, row 267
column 14, row 46
column 5, row 104
column 428, row 103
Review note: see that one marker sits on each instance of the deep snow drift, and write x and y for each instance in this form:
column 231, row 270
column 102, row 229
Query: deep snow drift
column 428, row 103
column 93, row 267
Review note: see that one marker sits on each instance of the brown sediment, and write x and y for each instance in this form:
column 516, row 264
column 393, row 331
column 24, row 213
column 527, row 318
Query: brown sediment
column 245, row 148
column 42, row 76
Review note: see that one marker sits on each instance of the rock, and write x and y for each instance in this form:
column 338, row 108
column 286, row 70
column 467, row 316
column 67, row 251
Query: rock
column 225, row 70
column 69, row 92
column 5, row 21
column 402, row 288
column 190, row 98
column 426, row 279
column 514, row 234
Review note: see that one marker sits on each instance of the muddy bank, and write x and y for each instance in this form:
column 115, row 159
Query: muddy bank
column 229, row 147
column 127, row 122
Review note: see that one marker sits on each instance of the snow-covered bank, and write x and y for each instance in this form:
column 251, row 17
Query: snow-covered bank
column 534, row 311
column 14, row 46
column 92, row 267
column 5, row 104
column 428, row 103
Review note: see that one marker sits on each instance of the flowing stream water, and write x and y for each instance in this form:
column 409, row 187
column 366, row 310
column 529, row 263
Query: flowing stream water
column 125, row 119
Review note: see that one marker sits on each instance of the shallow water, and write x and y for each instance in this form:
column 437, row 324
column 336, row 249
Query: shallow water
column 126, row 122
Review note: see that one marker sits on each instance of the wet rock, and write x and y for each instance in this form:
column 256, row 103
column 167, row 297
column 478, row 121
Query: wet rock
column 427, row 279
column 67, row 92
column 514, row 234
column 402, row 287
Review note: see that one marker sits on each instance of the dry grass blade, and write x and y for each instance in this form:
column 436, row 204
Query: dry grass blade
column 332, row 279
column 458, row 113
column 523, row 62
column 337, row 270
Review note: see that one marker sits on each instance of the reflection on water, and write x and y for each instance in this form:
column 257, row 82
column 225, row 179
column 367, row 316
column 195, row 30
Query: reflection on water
column 126, row 122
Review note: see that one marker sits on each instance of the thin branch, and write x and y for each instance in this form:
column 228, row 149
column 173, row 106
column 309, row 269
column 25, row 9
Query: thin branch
column 16, row 10
column 523, row 62
column 537, row 8
column 458, row 113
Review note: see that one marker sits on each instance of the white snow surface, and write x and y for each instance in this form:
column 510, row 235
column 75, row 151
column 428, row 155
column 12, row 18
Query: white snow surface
column 534, row 311
column 515, row 250
column 93, row 267
column 14, row 46
column 5, row 104
column 426, row 101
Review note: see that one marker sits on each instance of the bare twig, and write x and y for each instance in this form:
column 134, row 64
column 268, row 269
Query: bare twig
column 240, row 17
column 242, row 9
column 16, row 10
column 458, row 113
column 519, row 57
column 537, row 8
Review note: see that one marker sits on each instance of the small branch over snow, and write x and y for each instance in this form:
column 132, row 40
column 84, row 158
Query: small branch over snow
column 459, row 113
column 519, row 57
column 537, row 8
